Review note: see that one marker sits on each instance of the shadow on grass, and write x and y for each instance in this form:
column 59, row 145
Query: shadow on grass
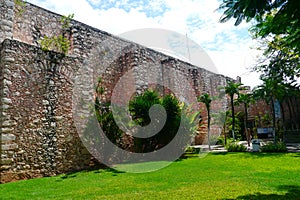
column 293, row 192
column 186, row 156
column 97, row 170
column 296, row 155
column 112, row 170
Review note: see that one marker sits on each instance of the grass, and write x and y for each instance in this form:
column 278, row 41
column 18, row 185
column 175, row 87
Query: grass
column 215, row 176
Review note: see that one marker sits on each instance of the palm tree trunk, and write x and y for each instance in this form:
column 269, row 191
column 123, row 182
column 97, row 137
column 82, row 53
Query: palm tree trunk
column 225, row 138
column 208, row 128
column 274, row 120
column 295, row 106
column 232, row 115
column 291, row 113
column 283, row 119
column 245, row 124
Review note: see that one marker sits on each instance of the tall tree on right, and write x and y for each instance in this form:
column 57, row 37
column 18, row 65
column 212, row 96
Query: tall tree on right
column 270, row 90
column 272, row 17
column 277, row 29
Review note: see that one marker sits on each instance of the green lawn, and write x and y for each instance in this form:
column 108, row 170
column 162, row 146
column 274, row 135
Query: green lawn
column 216, row 176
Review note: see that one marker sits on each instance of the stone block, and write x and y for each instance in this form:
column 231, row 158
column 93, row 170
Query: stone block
column 8, row 59
column 21, row 152
column 5, row 22
column 7, row 137
column 45, row 102
column 5, row 167
column 7, row 82
column 9, row 4
column 7, row 147
column 6, row 161
column 6, row 130
column 9, row 123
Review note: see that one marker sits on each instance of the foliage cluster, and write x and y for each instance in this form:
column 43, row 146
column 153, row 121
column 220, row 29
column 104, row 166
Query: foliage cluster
column 274, row 147
column 106, row 120
column 220, row 141
column 61, row 42
column 276, row 29
column 58, row 43
column 235, row 147
column 280, row 17
column 20, row 6
column 139, row 108
column 192, row 150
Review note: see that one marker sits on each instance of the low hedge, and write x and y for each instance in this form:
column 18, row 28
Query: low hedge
column 235, row 147
column 274, row 147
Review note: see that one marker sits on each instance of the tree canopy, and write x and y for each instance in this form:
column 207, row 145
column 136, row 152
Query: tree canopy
column 277, row 27
column 272, row 16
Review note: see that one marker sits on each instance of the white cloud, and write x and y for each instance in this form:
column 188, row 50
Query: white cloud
column 117, row 21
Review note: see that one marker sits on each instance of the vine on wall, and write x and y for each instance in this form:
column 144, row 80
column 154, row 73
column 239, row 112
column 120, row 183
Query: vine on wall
column 20, row 6
column 61, row 42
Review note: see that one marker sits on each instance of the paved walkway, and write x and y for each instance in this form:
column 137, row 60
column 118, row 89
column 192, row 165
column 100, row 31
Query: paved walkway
column 292, row 147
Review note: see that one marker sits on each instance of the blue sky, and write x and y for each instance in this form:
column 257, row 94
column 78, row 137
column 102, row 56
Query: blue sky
column 228, row 46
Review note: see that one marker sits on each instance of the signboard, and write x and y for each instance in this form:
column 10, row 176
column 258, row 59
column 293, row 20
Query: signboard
column 277, row 109
column 264, row 130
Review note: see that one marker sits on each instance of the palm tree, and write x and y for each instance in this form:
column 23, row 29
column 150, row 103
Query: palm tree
column 270, row 90
column 246, row 99
column 206, row 99
column 231, row 89
column 220, row 119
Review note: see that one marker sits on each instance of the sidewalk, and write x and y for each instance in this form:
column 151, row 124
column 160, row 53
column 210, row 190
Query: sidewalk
column 292, row 147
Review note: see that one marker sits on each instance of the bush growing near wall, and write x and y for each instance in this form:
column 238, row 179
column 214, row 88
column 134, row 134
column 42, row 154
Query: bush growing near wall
column 191, row 150
column 274, row 147
column 107, row 122
column 139, row 108
column 220, row 141
column 235, row 147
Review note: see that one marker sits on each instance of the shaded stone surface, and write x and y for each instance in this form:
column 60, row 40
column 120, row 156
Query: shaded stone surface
column 38, row 135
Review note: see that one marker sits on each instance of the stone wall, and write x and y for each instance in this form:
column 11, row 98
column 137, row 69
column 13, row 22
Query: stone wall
column 6, row 19
column 38, row 135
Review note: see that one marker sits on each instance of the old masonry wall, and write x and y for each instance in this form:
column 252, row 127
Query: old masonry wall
column 38, row 135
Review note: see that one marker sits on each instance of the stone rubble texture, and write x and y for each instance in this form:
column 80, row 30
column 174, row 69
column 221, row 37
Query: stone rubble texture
column 38, row 135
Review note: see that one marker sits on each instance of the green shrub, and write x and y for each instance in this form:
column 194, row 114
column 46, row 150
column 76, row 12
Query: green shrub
column 220, row 141
column 106, row 121
column 57, row 43
column 274, row 147
column 139, row 108
column 61, row 42
column 235, row 147
column 192, row 150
